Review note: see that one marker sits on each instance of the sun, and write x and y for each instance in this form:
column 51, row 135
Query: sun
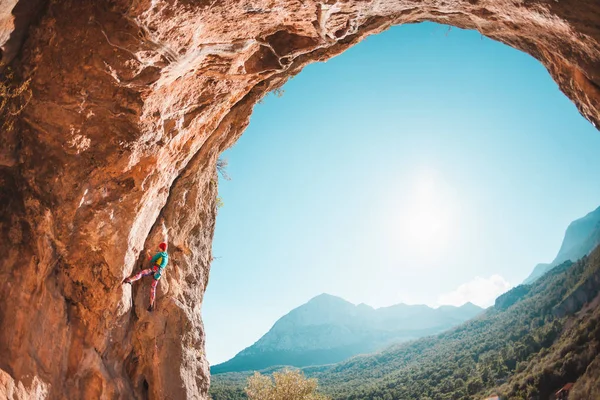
column 426, row 225
column 427, row 214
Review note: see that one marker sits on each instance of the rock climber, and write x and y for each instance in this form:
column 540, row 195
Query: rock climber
column 158, row 264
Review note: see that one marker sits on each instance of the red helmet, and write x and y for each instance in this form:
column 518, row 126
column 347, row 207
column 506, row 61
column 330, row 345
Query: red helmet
column 163, row 246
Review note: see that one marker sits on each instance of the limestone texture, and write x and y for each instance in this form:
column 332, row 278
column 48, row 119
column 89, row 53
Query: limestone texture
column 116, row 114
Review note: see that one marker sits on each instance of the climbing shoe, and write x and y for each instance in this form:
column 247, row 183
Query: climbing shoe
column 151, row 307
column 127, row 280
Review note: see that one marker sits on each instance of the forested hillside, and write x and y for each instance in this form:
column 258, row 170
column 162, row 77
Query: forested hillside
column 535, row 339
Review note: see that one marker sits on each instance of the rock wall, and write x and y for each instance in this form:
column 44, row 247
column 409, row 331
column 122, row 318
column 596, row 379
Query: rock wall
column 111, row 145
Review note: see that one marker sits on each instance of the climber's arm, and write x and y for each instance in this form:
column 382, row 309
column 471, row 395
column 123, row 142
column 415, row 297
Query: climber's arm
column 153, row 259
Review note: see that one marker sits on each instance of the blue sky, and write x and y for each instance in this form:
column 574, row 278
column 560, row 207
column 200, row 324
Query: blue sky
column 421, row 166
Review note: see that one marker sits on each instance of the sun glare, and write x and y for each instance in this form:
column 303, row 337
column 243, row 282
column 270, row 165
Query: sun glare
column 427, row 220
column 425, row 226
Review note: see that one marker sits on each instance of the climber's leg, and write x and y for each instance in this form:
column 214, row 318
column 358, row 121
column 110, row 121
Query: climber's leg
column 137, row 276
column 152, row 294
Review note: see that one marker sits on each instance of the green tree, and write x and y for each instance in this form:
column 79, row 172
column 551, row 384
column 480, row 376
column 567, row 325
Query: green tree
column 285, row 385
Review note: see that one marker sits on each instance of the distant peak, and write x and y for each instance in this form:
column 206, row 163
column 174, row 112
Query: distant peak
column 324, row 296
column 470, row 305
column 327, row 298
column 467, row 306
column 364, row 306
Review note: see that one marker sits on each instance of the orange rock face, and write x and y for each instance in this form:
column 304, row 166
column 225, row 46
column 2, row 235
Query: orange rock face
column 113, row 149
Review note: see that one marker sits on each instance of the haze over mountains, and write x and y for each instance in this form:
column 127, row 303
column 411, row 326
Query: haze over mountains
column 329, row 329
column 582, row 236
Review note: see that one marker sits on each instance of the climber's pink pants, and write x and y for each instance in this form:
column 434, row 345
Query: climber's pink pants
column 146, row 272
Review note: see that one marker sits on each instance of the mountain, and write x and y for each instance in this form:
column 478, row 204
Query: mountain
column 329, row 329
column 581, row 237
column 538, row 271
column 534, row 340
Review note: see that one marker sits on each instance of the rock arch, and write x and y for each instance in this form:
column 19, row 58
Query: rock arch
column 130, row 103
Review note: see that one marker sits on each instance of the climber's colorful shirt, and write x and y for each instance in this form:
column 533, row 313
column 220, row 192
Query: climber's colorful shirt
column 160, row 259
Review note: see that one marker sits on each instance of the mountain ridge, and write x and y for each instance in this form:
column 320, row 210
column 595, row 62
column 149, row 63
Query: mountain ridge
column 328, row 329
column 581, row 237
